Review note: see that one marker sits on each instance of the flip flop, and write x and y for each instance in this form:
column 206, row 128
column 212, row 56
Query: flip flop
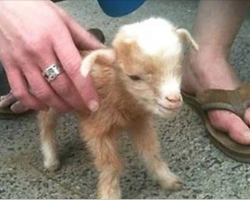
column 236, row 101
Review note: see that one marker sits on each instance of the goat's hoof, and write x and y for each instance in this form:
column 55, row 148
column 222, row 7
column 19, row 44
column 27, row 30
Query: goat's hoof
column 52, row 165
column 109, row 197
column 115, row 194
column 171, row 182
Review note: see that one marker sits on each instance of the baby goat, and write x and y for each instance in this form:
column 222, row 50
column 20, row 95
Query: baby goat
column 136, row 78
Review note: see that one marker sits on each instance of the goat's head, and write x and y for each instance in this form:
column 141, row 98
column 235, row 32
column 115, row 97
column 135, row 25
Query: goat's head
column 149, row 55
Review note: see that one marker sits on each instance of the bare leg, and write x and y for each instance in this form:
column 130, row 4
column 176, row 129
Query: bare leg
column 107, row 161
column 47, row 123
column 215, row 29
column 146, row 142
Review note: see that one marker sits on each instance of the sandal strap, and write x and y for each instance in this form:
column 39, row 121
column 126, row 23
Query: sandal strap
column 236, row 101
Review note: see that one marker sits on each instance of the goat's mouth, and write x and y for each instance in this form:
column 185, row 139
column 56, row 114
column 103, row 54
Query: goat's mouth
column 168, row 109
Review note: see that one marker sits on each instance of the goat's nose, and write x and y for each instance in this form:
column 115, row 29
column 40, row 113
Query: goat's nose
column 174, row 98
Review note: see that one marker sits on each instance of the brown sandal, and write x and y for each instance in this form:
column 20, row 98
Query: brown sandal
column 236, row 101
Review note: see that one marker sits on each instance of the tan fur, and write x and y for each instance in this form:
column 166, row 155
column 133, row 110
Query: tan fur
column 124, row 105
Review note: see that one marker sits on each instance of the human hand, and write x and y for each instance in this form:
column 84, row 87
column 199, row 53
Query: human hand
column 34, row 35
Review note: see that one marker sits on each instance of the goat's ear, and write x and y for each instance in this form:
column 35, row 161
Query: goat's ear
column 123, row 46
column 101, row 56
column 185, row 36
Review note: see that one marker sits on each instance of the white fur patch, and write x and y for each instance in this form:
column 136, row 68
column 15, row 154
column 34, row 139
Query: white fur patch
column 85, row 67
column 169, row 87
column 49, row 153
column 154, row 35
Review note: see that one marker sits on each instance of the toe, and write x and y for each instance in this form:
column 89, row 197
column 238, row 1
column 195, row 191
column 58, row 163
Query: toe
column 231, row 124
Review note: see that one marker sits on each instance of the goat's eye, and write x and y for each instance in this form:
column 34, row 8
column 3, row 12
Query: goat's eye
column 134, row 77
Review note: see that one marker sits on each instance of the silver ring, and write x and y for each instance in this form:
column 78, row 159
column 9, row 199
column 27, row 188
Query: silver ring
column 52, row 72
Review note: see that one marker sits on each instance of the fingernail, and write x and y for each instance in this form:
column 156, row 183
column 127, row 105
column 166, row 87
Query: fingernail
column 93, row 105
column 2, row 98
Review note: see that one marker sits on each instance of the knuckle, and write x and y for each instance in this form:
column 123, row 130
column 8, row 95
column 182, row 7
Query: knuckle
column 25, row 98
column 35, row 45
column 51, row 100
column 21, row 95
column 42, row 95
column 73, row 67
column 15, row 55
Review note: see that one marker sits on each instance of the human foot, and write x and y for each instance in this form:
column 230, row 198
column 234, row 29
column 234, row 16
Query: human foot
column 204, row 71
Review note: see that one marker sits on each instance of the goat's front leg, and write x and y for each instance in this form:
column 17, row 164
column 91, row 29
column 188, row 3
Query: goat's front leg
column 146, row 142
column 107, row 161
column 47, row 124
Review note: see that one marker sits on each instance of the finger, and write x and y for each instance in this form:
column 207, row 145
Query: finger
column 35, row 85
column 82, row 38
column 63, row 86
column 20, row 89
column 7, row 100
column 43, row 91
column 17, row 82
column 10, row 100
column 18, row 107
column 71, row 61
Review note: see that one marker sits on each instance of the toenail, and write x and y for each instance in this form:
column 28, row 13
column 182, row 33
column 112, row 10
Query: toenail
column 247, row 135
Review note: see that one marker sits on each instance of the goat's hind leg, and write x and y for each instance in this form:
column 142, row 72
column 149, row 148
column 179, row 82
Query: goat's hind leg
column 47, row 123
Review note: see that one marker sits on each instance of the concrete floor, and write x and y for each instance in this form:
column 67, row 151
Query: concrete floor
column 206, row 172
